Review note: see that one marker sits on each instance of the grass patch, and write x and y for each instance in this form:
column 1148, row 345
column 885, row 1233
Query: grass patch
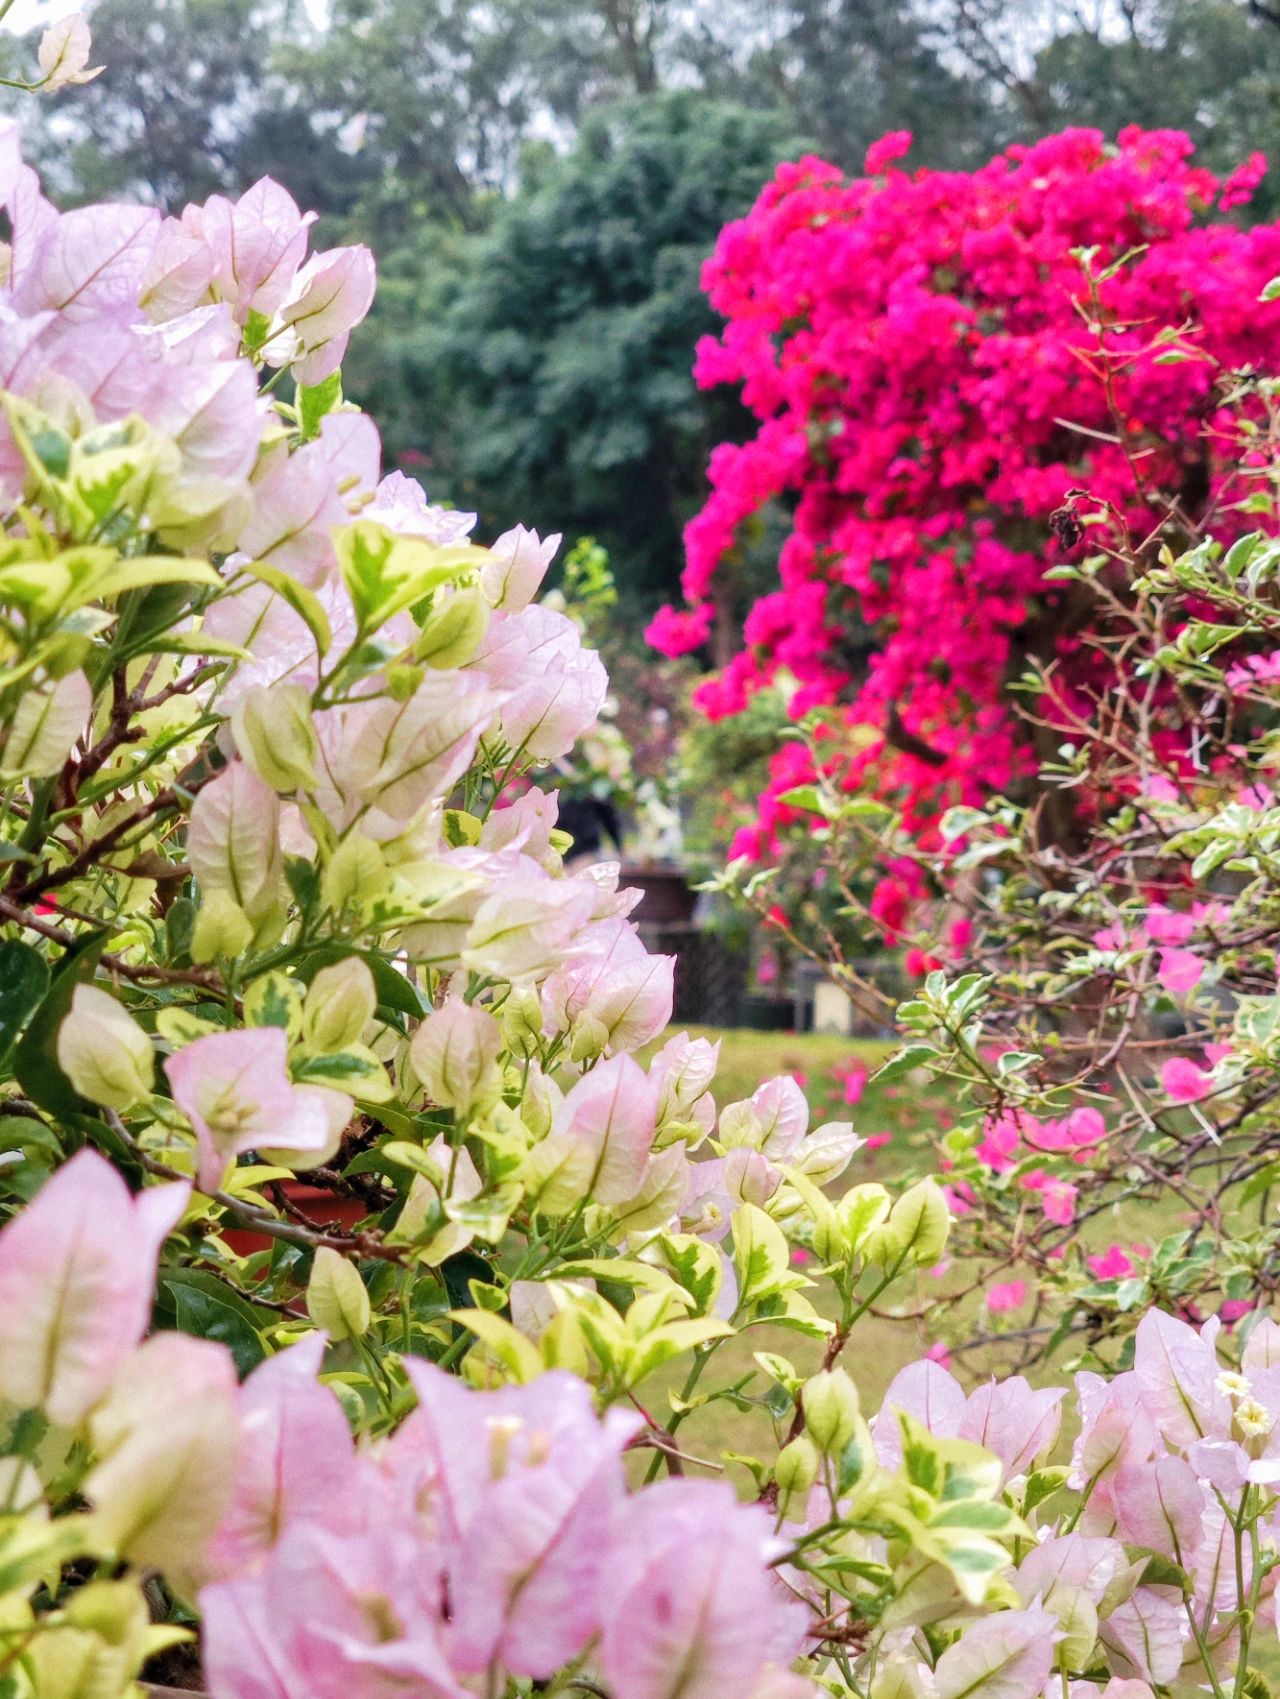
column 901, row 1122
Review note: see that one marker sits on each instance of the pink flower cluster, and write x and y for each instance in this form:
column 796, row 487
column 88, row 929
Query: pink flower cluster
column 114, row 314
column 492, row 1532
column 1011, row 1419
column 1254, row 671
column 1164, row 1453
column 1015, row 1138
column 929, row 392
column 113, row 311
column 1178, row 968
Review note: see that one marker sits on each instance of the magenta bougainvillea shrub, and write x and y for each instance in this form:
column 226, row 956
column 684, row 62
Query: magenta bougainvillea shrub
column 936, row 361
column 1102, row 1009
column 1028, row 422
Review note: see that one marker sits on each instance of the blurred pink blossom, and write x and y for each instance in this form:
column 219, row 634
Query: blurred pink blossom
column 1009, row 1295
column 1183, row 1082
column 1180, row 970
column 1112, row 1264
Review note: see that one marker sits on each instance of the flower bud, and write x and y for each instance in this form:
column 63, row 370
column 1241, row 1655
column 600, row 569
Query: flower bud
column 455, row 1055
column 275, row 736
column 104, row 1052
column 740, row 1125
column 750, row 1177
column 537, row 1107
column 340, row 1004
column 589, row 1039
column 356, row 872
column 233, row 842
column 522, row 1021
column 798, row 1467
column 403, row 681
column 830, row 1401
column 337, row 1299
column 691, row 1133
column 222, row 929
column 453, row 630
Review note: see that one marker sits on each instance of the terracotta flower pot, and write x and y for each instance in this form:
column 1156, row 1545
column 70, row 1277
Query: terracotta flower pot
column 321, row 1208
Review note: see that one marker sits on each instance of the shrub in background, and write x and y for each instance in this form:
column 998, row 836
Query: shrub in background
column 1105, row 1007
column 933, row 371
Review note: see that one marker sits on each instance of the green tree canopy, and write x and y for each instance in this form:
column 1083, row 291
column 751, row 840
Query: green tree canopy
column 441, row 98
column 847, row 71
column 192, row 105
column 542, row 369
column 1209, row 67
column 541, row 179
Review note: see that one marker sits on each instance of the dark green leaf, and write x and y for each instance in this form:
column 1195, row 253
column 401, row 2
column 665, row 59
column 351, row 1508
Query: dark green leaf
column 53, row 450
column 852, row 1464
column 23, row 1178
column 1261, row 1182
column 304, row 881
column 778, row 1402
column 35, row 1064
column 374, row 1162
column 179, row 923
column 24, row 1132
column 395, row 1120
column 914, row 1056
column 206, row 1317
column 458, row 1273
column 24, row 980
column 393, row 989
column 1164, row 1572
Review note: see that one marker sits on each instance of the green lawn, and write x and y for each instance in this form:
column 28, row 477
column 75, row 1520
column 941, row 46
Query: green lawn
column 746, row 1058
column 911, row 1116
